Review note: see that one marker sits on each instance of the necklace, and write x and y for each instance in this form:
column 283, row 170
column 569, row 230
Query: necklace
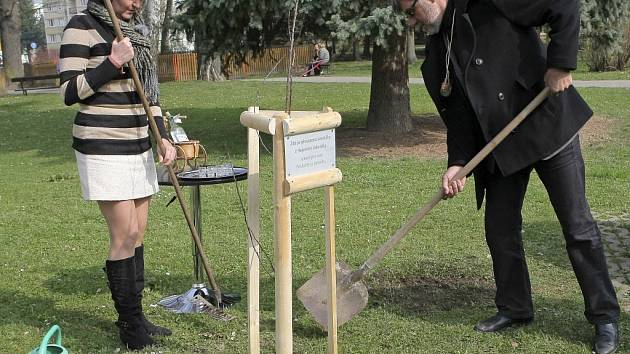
column 446, row 87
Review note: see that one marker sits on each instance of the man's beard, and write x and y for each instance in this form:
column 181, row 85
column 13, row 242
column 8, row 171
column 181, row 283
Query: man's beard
column 434, row 17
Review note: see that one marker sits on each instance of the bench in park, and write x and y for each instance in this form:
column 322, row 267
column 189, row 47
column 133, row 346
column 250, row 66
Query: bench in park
column 33, row 79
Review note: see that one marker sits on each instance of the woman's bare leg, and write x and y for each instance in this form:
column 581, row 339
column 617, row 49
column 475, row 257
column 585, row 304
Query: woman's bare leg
column 142, row 215
column 122, row 221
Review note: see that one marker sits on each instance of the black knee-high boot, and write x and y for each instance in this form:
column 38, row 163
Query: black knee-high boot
column 150, row 327
column 122, row 283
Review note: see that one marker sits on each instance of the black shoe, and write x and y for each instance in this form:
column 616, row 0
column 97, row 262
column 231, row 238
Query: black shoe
column 150, row 327
column 499, row 322
column 154, row 330
column 122, row 283
column 606, row 338
column 133, row 334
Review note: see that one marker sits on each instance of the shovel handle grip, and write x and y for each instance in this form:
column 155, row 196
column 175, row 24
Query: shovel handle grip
column 377, row 256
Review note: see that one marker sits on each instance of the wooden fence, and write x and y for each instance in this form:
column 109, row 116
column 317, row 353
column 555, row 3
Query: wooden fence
column 271, row 59
column 3, row 83
column 183, row 66
column 177, row 67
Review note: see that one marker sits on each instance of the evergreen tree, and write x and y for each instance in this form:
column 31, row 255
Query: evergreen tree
column 230, row 30
column 603, row 42
column 32, row 26
column 389, row 93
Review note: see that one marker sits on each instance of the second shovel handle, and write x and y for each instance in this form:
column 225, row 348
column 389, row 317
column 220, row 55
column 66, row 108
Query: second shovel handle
column 377, row 256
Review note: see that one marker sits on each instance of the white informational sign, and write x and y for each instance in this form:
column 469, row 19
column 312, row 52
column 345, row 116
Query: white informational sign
column 309, row 153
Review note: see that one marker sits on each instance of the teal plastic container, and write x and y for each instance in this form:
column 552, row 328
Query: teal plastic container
column 45, row 348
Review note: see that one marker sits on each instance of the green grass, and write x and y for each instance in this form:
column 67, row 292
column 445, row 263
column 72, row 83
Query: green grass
column 364, row 68
column 582, row 73
column 425, row 296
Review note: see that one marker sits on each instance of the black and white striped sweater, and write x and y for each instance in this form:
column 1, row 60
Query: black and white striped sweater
column 111, row 119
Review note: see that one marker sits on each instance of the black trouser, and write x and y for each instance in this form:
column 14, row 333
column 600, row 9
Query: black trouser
column 563, row 177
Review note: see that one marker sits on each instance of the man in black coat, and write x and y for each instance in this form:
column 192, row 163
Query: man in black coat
column 484, row 63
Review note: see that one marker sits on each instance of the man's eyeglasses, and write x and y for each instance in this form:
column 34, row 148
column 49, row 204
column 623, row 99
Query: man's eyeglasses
column 411, row 11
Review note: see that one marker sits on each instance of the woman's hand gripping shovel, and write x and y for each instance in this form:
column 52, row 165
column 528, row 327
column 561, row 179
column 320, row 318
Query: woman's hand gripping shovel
column 352, row 294
column 220, row 301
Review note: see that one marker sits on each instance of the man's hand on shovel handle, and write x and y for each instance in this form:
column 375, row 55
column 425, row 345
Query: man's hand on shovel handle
column 450, row 187
column 558, row 80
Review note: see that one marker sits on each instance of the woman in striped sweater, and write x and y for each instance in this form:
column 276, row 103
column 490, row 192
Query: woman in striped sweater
column 112, row 145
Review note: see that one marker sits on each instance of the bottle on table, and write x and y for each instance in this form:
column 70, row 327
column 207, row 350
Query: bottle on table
column 177, row 132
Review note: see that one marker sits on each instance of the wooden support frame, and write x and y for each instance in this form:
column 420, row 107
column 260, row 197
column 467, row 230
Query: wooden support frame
column 253, row 239
column 331, row 267
column 279, row 124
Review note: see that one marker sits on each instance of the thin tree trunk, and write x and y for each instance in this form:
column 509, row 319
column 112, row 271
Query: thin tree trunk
column 151, row 15
column 10, row 28
column 411, row 46
column 367, row 48
column 166, row 27
column 389, row 93
column 355, row 50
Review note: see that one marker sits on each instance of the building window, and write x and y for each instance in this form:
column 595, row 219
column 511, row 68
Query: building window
column 53, row 38
column 50, row 22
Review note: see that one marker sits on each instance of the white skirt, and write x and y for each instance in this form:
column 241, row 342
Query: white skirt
column 117, row 177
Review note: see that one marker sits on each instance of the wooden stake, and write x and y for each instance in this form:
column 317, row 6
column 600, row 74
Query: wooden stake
column 282, row 230
column 331, row 271
column 253, row 248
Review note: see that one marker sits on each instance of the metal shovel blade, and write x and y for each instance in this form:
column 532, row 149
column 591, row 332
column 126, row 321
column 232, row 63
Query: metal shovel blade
column 352, row 296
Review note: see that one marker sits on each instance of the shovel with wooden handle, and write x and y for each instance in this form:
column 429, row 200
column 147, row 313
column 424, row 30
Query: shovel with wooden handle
column 171, row 173
column 352, row 293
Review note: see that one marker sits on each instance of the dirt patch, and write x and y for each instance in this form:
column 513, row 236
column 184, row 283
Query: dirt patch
column 428, row 139
column 597, row 131
column 425, row 294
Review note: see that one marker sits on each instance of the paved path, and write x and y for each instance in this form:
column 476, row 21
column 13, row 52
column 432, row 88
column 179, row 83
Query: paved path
column 366, row 80
column 419, row 81
column 616, row 239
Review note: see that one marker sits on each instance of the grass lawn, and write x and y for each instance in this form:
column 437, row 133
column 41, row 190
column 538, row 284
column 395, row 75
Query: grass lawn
column 424, row 298
column 364, row 68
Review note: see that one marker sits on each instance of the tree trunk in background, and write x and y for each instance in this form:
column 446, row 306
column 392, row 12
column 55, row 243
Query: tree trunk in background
column 10, row 28
column 389, row 93
column 166, row 27
column 411, row 46
column 367, row 47
column 3, row 83
column 151, row 16
column 355, row 50
column 210, row 68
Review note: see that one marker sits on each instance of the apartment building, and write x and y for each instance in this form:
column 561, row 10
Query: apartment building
column 57, row 13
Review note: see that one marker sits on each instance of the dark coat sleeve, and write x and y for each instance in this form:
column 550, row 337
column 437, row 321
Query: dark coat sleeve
column 561, row 15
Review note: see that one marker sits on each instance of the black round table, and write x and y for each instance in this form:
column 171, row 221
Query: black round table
column 184, row 303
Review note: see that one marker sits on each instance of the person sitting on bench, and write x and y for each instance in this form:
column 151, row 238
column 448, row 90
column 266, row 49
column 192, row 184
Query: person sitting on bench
column 321, row 58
